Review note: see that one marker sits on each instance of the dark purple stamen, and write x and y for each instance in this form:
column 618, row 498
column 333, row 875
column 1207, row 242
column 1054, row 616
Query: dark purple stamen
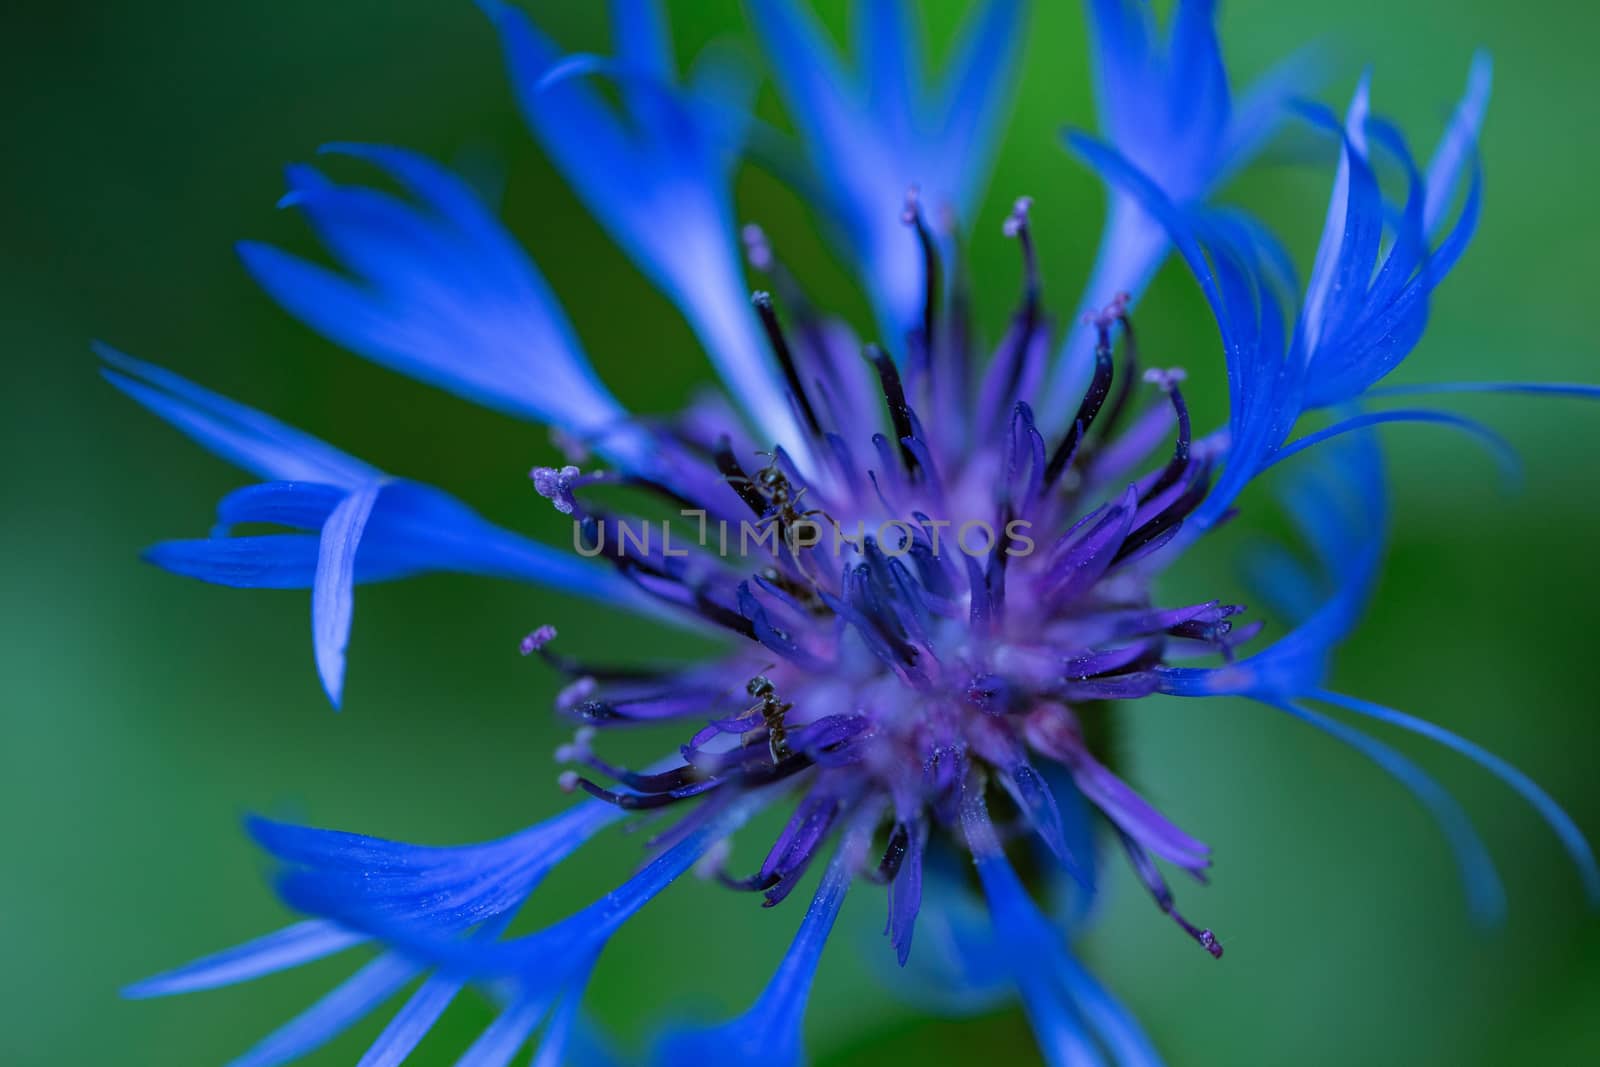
column 1013, row 358
column 780, row 348
column 1167, row 522
column 1179, row 464
column 1145, row 868
column 1130, row 368
column 1099, row 387
column 894, row 396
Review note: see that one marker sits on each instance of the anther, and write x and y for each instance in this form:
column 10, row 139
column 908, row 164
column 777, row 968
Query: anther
column 576, row 693
column 579, row 748
column 1116, row 311
column 537, row 639
column 757, row 249
column 556, row 486
column 1093, row 400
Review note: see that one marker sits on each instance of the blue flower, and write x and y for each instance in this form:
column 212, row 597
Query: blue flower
column 932, row 599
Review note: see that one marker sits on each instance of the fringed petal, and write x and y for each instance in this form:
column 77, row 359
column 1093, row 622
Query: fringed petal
column 1064, row 1005
column 1164, row 102
column 660, row 189
column 333, row 586
column 303, row 942
column 1572, row 838
column 244, row 437
column 346, row 1005
column 440, row 291
column 872, row 131
column 769, row 1033
column 1485, row 894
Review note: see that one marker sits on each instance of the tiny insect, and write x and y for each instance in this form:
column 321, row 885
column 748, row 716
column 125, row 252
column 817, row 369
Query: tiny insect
column 772, row 712
column 780, row 495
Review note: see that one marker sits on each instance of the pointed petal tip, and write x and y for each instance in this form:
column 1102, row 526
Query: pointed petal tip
column 1480, row 76
column 260, row 828
column 144, row 989
column 333, row 683
column 253, row 253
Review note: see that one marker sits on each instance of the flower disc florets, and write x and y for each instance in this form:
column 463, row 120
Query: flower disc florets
column 933, row 600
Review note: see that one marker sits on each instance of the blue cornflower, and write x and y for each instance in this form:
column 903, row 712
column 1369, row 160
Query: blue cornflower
column 932, row 596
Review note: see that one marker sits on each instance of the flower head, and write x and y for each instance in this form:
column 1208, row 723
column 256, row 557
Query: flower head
column 932, row 597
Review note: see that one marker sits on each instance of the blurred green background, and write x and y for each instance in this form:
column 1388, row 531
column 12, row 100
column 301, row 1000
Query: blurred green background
column 144, row 714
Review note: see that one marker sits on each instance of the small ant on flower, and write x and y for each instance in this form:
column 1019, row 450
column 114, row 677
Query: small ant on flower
column 781, row 498
column 772, row 712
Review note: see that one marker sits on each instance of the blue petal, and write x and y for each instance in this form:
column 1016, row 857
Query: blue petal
column 412, row 1022
column 1262, row 107
column 504, row 1037
column 333, row 587
column 1167, row 108
column 1107, row 1017
column 873, row 131
column 387, row 882
column 1572, row 389
column 242, row 436
column 375, row 883
column 1353, row 225
column 1339, row 505
column 413, row 529
column 406, row 529
column 301, row 505
column 303, row 942
column 442, row 293
column 347, row 1004
column 890, row 33
column 662, row 193
column 973, row 99
column 1499, row 448
column 1485, row 894
column 1062, row 1001
column 562, row 1041
column 769, row 1033
column 1375, row 322
column 1165, row 102
column 1572, row 838
column 1459, row 142
column 644, row 45
column 543, row 960
column 276, row 561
